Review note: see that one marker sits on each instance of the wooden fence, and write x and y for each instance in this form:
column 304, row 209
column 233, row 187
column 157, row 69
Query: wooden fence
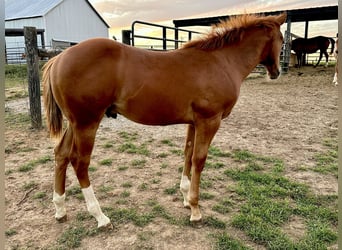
column 32, row 59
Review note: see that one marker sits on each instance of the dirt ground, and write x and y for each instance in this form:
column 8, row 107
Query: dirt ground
column 288, row 118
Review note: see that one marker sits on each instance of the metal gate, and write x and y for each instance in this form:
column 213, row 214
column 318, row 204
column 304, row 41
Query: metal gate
column 168, row 38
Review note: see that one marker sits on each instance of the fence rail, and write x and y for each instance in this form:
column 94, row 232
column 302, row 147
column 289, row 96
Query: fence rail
column 164, row 37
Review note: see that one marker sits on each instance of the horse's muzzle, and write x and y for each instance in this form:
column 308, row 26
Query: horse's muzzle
column 275, row 74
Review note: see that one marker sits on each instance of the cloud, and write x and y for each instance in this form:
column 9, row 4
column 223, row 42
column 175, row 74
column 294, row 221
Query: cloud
column 120, row 14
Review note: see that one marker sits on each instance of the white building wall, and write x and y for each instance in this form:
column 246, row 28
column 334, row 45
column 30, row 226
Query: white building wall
column 73, row 20
column 15, row 42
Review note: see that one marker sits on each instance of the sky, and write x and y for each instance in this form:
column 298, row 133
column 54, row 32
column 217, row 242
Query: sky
column 119, row 14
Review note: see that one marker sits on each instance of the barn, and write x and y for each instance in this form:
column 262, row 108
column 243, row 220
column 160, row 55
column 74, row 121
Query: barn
column 69, row 21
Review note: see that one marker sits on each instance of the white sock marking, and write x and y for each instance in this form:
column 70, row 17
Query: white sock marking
column 184, row 187
column 59, row 201
column 335, row 79
column 93, row 206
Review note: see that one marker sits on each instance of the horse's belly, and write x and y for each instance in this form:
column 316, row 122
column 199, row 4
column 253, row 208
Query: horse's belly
column 154, row 113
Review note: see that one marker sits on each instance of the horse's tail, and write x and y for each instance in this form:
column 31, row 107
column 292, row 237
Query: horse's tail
column 54, row 116
column 332, row 41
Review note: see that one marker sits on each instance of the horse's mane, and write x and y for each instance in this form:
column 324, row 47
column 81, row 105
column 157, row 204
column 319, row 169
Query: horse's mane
column 230, row 31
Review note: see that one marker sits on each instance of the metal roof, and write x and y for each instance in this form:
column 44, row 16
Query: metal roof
column 298, row 15
column 21, row 9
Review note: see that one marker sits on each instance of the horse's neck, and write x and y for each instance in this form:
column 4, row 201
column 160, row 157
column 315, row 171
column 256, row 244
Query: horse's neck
column 248, row 53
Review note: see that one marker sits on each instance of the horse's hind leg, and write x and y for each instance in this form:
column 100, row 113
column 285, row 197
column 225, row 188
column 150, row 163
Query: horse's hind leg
column 320, row 58
column 62, row 151
column 80, row 158
column 326, row 58
column 188, row 150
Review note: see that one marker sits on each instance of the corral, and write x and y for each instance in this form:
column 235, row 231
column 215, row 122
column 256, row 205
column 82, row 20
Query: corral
column 270, row 181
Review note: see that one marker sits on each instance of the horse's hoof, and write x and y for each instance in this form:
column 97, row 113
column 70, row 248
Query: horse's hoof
column 186, row 204
column 62, row 219
column 197, row 218
column 107, row 227
column 196, row 223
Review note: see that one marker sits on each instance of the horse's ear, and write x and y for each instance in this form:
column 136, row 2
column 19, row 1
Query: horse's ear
column 281, row 18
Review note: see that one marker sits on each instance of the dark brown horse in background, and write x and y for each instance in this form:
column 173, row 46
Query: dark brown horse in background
column 196, row 85
column 302, row 46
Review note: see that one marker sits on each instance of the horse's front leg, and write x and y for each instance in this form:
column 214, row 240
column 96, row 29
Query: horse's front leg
column 204, row 133
column 188, row 151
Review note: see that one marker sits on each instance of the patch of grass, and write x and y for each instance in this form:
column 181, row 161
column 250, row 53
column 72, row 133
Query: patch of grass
column 39, row 195
column 32, row 164
column 9, row 171
column 164, row 165
column 128, row 136
column 167, row 142
column 123, row 216
column 122, row 168
column 248, row 157
column 214, row 165
column 125, row 194
column 131, row 148
column 176, row 152
column 214, row 223
column 206, row 196
column 105, row 189
column 10, row 232
column 159, row 211
column 318, row 237
column 271, row 199
column 106, row 162
column 205, row 184
column 243, row 155
column 108, row 145
column 83, row 216
column 72, row 237
column 17, row 120
column 171, row 191
column 43, row 160
column 92, row 169
column 262, row 184
column 143, row 186
column 327, row 162
column 162, row 155
column 15, row 71
column 146, row 236
column 127, row 185
column 224, row 241
column 28, row 186
column 224, row 206
column 138, row 163
column 27, row 167
column 75, row 191
column 214, row 151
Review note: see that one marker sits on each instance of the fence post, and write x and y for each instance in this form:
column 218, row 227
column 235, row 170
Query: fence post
column 32, row 60
column 126, row 36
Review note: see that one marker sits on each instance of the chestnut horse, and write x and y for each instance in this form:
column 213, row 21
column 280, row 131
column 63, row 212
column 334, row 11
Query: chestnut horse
column 196, row 85
column 303, row 46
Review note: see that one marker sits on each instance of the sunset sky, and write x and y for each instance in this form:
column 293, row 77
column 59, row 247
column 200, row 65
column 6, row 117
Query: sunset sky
column 120, row 14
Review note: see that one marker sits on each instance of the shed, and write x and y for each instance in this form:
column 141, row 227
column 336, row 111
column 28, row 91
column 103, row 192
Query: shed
column 297, row 15
column 62, row 20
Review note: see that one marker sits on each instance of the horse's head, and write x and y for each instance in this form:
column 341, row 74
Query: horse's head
column 271, row 53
